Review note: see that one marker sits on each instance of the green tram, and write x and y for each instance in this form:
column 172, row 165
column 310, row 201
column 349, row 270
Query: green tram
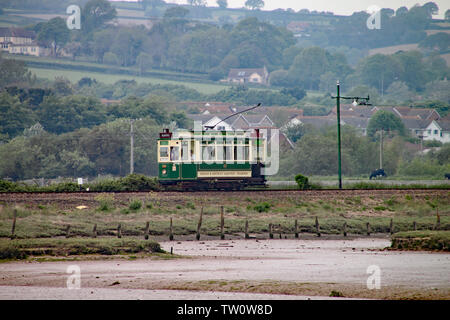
column 211, row 160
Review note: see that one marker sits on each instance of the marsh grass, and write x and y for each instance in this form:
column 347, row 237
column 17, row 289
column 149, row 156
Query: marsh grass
column 49, row 220
column 22, row 248
column 422, row 240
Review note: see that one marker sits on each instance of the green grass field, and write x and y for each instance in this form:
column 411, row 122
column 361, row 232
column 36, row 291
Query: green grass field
column 74, row 76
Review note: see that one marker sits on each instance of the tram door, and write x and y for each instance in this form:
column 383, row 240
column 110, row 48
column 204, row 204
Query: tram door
column 188, row 167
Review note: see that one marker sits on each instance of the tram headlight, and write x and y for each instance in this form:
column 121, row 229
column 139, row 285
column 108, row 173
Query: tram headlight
column 164, row 171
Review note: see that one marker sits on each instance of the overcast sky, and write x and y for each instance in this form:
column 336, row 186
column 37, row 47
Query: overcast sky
column 343, row 7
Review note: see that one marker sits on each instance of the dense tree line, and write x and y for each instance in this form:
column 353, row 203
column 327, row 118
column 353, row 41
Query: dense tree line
column 315, row 153
column 103, row 149
column 407, row 72
column 57, row 114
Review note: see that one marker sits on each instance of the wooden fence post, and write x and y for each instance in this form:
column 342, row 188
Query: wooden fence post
column 438, row 220
column 222, row 222
column 391, row 227
column 344, row 229
column 368, row 228
column 296, row 228
column 94, row 231
column 147, row 230
column 317, row 227
column 246, row 230
column 414, row 226
column 171, row 230
column 68, row 231
column 199, row 224
column 270, row 231
column 119, row 231
column 13, row 229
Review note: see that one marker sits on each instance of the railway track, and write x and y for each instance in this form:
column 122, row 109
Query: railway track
column 328, row 190
column 30, row 196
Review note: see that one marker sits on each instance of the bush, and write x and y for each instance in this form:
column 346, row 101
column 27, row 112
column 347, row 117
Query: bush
column 132, row 182
column 61, row 187
column 105, row 202
column 302, row 182
column 423, row 167
column 262, row 207
column 135, row 205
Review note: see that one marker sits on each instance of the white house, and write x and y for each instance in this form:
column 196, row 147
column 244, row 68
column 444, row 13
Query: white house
column 438, row 130
column 255, row 75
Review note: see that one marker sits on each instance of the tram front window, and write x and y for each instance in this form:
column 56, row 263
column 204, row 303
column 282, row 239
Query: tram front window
column 163, row 152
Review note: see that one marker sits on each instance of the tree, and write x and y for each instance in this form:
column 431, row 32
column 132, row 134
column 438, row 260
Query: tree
column 386, row 121
column 152, row 3
column 412, row 68
column 431, row 8
column 440, row 41
column 95, row 14
column 66, row 114
column 447, row 15
column 254, row 4
column 297, row 92
column 13, row 73
column 398, row 91
column 144, row 62
column 103, row 40
column 280, row 78
column 222, row 4
column 14, row 115
column 296, row 132
column 62, row 86
column 54, row 34
column 111, row 59
column 197, row 2
column 176, row 12
column 438, row 90
column 308, row 66
column 257, row 43
column 379, row 71
column 74, row 48
column 401, row 11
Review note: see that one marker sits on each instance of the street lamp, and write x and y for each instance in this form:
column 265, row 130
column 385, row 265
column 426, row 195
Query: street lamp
column 356, row 101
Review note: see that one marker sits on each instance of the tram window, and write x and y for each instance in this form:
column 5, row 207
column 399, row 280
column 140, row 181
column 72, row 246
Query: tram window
column 192, row 150
column 241, row 153
column 227, row 152
column 208, row 152
column 163, row 152
column 185, row 156
column 174, row 153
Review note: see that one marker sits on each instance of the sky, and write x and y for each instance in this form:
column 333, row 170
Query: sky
column 343, row 7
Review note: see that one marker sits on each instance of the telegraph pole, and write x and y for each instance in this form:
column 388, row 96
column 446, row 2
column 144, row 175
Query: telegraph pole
column 132, row 146
column 381, row 149
column 338, row 112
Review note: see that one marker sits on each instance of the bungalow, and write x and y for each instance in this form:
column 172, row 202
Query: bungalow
column 256, row 76
column 438, row 130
